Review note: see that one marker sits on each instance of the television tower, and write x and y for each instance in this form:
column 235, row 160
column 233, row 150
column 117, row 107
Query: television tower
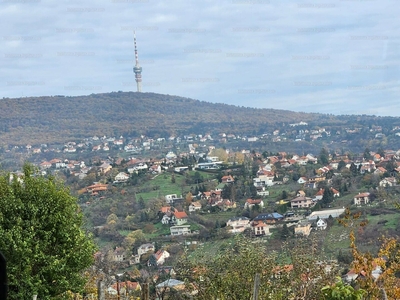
column 137, row 69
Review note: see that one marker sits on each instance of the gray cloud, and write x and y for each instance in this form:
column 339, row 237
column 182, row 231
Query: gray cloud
column 331, row 57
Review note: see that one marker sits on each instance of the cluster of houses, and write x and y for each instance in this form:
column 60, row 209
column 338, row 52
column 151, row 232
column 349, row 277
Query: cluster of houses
column 262, row 223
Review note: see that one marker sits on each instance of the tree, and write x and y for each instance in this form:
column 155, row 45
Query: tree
column 323, row 157
column 367, row 154
column 341, row 165
column 231, row 273
column 41, row 237
column 327, row 196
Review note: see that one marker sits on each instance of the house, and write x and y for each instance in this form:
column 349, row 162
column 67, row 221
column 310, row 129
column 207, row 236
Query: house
column 137, row 167
column 301, row 202
column 361, row 198
column 238, row 224
column 96, row 188
column 45, row 165
column 303, row 229
column 194, row 206
column 227, row 179
column 179, row 217
column 180, row 230
column 144, row 248
column 159, row 257
column 353, row 274
column 155, row 169
column 269, row 217
column 172, row 198
column 252, row 202
column 389, row 181
column 121, row 177
column 226, row 204
column 264, row 180
column 260, row 228
column 319, row 195
column 105, row 167
column 302, row 180
column 380, row 170
column 118, row 254
column 166, row 219
column 321, row 224
column 311, row 184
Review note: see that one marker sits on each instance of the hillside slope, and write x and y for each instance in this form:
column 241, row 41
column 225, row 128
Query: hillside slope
column 58, row 118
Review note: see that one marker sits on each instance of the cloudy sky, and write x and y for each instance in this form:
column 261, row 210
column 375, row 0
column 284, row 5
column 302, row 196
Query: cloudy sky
column 337, row 56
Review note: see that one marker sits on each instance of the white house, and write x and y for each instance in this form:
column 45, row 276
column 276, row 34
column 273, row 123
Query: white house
column 144, row 248
column 160, row 256
column 194, row 206
column 121, row 177
column 321, row 224
column 238, row 224
column 361, row 198
column 302, row 180
column 180, row 230
column 389, row 181
column 251, row 202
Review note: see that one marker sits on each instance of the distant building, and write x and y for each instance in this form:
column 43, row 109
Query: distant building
column 238, row 224
column 324, row 214
column 361, row 199
column 180, row 230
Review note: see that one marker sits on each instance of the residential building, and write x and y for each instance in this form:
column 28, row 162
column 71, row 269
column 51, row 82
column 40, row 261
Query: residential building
column 389, row 181
column 321, row 224
column 238, row 224
column 145, row 248
column 252, row 202
column 260, row 228
column 361, row 199
column 269, row 217
column 159, row 257
column 301, row 202
column 194, row 206
column 180, row 230
column 179, row 217
column 121, row 177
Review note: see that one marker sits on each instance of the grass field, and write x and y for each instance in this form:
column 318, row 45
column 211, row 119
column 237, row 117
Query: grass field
column 162, row 185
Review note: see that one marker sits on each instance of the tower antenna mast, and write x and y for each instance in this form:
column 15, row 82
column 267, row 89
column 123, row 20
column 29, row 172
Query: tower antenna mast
column 137, row 69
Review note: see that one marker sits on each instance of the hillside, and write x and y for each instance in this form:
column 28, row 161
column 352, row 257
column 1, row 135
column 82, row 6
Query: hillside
column 58, row 118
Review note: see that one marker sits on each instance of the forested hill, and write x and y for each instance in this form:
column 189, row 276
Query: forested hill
column 58, row 118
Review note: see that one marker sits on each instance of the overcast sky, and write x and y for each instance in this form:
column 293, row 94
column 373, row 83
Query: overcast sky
column 339, row 57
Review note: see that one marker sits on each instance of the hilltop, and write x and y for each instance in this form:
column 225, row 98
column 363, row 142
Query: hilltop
column 52, row 119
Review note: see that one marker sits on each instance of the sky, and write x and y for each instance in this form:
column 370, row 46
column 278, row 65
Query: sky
column 336, row 56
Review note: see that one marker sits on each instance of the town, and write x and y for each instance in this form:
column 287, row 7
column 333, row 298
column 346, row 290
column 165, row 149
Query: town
column 148, row 200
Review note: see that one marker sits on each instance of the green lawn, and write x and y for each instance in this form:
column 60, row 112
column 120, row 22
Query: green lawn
column 222, row 216
column 392, row 220
column 162, row 185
